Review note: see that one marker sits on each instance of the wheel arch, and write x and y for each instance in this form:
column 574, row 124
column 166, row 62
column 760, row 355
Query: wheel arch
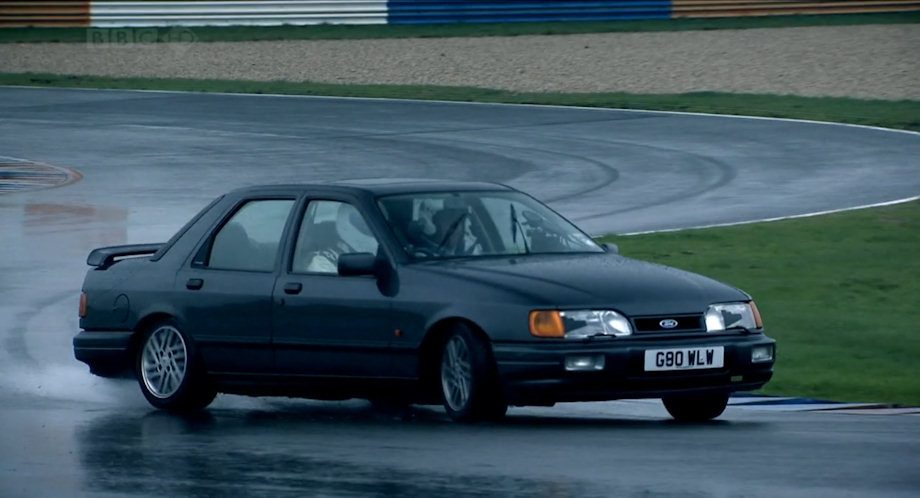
column 142, row 326
column 430, row 352
column 196, row 391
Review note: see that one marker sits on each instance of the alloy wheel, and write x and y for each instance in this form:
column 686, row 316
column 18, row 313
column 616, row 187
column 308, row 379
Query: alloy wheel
column 456, row 373
column 164, row 361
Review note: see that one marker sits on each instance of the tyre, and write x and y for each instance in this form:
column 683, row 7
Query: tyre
column 696, row 408
column 469, row 379
column 170, row 372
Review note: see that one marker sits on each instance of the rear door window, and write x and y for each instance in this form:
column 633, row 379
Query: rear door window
column 250, row 238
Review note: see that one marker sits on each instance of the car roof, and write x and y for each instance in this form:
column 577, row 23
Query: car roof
column 375, row 186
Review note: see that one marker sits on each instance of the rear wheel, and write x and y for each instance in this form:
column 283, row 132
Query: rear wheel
column 469, row 378
column 169, row 371
column 696, row 408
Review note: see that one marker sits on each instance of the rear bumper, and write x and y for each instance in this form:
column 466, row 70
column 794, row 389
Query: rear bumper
column 534, row 373
column 107, row 353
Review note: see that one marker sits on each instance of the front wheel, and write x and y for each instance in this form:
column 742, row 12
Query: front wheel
column 469, row 379
column 169, row 371
column 696, row 408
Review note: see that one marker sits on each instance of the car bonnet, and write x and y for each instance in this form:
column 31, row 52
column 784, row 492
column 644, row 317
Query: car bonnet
column 602, row 281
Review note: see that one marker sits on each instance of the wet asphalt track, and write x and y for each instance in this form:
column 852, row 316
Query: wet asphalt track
column 150, row 160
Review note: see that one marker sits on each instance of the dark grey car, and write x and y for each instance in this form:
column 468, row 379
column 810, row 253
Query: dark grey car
column 470, row 294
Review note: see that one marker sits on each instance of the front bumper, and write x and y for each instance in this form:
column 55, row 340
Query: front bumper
column 108, row 353
column 535, row 373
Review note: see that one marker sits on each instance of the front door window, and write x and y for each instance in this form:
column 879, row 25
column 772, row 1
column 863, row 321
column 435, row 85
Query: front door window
column 330, row 229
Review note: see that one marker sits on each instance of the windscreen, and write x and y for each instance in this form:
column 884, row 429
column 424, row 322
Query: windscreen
column 479, row 223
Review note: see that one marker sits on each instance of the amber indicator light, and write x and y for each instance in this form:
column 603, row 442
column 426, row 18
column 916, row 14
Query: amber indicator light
column 546, row 324
column 757, row 320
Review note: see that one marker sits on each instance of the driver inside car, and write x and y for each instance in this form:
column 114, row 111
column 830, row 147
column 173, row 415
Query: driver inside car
column 445, row 231
column 351, row 234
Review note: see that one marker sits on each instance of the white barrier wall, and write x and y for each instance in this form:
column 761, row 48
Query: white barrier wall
column 236, row 13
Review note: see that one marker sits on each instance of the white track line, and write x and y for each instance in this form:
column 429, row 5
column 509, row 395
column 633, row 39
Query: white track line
column 780, row 218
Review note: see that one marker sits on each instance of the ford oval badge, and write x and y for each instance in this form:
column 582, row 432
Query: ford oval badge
column 668, row 323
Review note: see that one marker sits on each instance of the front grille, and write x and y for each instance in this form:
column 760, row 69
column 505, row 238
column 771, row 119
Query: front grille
column 685, row 323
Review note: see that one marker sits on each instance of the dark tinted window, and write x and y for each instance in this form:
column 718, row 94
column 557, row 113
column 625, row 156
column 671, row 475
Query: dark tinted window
column 249, row 240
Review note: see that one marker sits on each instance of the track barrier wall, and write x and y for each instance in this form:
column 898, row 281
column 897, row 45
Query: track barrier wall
column 734, row 8
column 44, row 13
column 149, row 13
column 441, row 12
column 112, row 14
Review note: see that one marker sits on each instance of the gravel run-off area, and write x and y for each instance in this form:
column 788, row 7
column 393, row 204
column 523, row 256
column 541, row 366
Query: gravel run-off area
column 867, row 61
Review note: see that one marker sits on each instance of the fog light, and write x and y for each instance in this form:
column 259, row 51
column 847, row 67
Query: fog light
column 584, row 363
column 760, row 354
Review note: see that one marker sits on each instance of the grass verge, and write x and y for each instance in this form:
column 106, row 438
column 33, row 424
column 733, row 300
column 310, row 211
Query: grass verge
column 839, row 293
column 340, row 32
column 888, row 114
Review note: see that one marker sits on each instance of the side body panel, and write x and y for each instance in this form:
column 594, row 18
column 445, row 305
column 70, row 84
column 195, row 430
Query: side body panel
column 334, row 326
column 327, row 325
column 229, row 317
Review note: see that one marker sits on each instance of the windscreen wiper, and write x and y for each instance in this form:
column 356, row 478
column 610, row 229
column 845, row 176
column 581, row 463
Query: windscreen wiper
column 515, row 225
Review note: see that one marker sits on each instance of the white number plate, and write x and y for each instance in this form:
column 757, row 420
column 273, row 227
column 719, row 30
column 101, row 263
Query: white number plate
column 684, row 358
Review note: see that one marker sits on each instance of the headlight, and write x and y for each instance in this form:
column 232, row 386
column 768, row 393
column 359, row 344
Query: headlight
column 579, row 324
column 725, row 316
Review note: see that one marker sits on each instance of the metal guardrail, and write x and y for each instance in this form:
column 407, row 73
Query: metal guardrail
column 483, row 11
column 149, row 13
column 742, row 8
column 15, row 13
column 105, row 14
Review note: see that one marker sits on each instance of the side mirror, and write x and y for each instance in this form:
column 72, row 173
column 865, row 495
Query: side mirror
column 611, row 248
column 357, row 263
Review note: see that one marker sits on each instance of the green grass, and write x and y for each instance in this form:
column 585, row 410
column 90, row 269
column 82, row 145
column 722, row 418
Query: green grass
column 840, row 294
column 884, row 113
column 330, row 32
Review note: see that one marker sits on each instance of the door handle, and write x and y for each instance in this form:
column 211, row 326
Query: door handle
column 292, row 288
column 194, row 283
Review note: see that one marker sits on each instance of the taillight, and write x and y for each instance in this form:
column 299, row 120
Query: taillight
column 82, row 312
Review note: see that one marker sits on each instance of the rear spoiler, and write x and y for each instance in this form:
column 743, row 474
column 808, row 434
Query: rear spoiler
column 106, row 256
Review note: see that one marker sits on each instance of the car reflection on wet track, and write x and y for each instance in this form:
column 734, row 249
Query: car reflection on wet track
column 338, row 449
column 119, row 455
